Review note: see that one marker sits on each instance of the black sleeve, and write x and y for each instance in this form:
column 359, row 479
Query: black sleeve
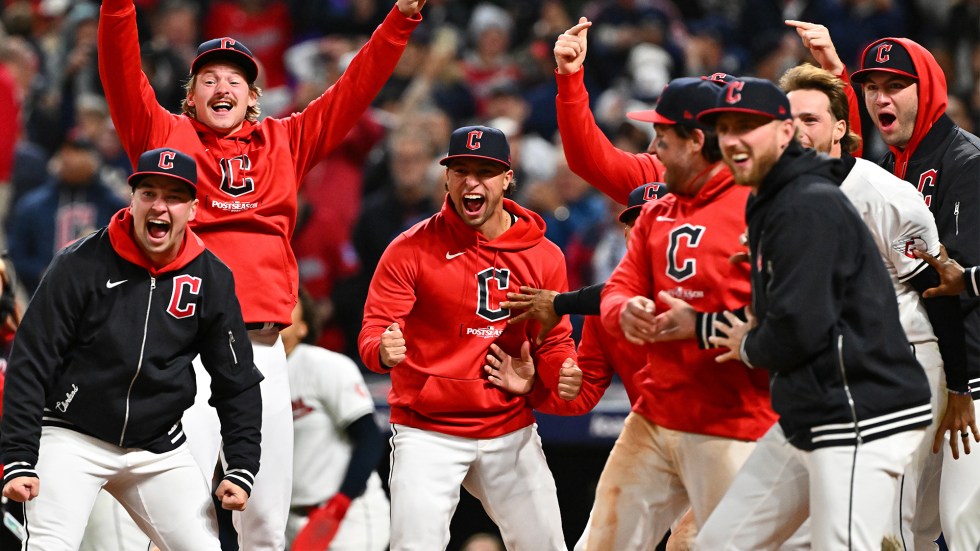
column 43, row 342
column 972, row 279
column 584, row 301
column 946, row 318
column 704, row 326
column 226, row 353
column 367, row 449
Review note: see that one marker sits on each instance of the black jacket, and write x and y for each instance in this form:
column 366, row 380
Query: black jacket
column 106, row 345
column 829, row 331
column 945, row 167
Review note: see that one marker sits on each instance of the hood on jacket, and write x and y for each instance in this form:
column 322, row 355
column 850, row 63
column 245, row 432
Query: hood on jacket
column 124, row 243
column 792, row 164
column 526, row 232
column 932, row 92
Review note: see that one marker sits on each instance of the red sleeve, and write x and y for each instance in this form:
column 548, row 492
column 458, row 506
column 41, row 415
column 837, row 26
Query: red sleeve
column 589, row 152
column 139, row 119
column 320, row 127
column 10, row 112
column 631, row 277
column 391, row 298
column 593, row 360
column 853, row 110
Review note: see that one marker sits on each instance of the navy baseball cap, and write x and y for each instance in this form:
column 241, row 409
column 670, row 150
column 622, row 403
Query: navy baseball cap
column 639, row 197
column 478, row 142
column 681, row 101
column 755, row 96
column 166, row 162
column 227, row 49
column 887, row 55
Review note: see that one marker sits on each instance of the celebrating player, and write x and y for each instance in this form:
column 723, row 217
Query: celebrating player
column 250, row 171
column 852, row 399
column 433, row 321
column 101, row 372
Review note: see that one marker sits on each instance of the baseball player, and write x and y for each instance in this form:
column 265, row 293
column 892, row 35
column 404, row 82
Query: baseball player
column 336, row 442
column 852, row 399
column 433, row 321
column 250, row 171
column 100, row 374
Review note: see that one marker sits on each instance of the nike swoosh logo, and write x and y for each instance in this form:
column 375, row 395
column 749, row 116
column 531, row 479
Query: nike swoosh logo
column 452, row 256
column 664, row 219
column 109, row 284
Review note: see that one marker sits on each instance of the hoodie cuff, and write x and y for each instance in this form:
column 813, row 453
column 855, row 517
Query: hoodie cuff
column 17, row 469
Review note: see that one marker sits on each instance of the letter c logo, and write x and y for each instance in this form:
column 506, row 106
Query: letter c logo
column 166, row 160
column 882, row 54
column 733, row 92
column 473, row 140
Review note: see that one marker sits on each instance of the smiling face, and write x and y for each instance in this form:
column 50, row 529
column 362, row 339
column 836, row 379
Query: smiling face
column 893, row 102
column 476, row 188
column 680, row 155
column 816, row 126
column 220, row 96
column 161, row 208
column 751, row 144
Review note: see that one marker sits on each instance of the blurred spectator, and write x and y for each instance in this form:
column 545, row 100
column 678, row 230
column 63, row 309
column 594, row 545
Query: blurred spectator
column 171, row 50
column 73, row 202
column 489, row 62
column 623, row 25
column 266, row 27
column 337, row 17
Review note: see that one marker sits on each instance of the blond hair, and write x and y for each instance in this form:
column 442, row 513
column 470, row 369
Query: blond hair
column 809, row 77
column 251, row 114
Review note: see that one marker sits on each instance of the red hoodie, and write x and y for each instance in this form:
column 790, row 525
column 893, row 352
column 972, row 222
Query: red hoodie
column 442, row 281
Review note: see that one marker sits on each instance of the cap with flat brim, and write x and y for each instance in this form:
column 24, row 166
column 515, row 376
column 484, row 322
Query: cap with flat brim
column 886, row 56
column 650, row 116
column 639, row 197
column 478, row 142
column 680, row 102
column 166, row 162
column 752, row 96
column 226, row 49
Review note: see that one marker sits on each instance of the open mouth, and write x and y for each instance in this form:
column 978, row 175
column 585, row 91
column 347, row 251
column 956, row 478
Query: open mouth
column 221, row 106
column 886, row 120
column 740, row 158
column 472, row 203
column 157, row 228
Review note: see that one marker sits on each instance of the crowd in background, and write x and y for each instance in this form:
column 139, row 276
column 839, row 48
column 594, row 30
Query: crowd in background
column 63, row 172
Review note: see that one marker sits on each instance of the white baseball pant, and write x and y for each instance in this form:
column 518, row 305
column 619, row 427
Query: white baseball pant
column 847, row 491
column 262, row 525
column 366, row 526
column 508, row 474
column 164, row 493
column 110, row 528
column 651, row 477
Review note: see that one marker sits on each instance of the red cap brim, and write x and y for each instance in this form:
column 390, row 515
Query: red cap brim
column 650, row 116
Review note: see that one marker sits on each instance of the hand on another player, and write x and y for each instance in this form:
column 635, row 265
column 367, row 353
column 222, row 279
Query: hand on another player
column 538, row 304
column 322, row 525
column 511, row 374
column 816, row 38
column 410, row 8
column 733, row 334
column 571, row 46
column 393, row 347
column 950, row 273
column 958, row 420
column 677, row 323
column 636, row 319
column 22, row 488
column 569, row 380
column 232, row 496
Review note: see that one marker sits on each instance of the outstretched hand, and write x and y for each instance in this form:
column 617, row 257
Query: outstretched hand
column 410, row 8
column 511, row 374
column 571, row 46
column 817, row 39
column 732, row 335
column 677, row 323
column 538, row 304
column 950, row 273
column 959, row 420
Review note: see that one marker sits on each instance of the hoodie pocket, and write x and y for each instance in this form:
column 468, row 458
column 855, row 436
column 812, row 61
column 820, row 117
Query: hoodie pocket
column 441, row 396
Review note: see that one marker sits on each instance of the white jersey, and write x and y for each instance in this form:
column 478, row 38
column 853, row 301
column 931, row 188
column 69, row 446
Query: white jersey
column 899, row 221
column 328, row 394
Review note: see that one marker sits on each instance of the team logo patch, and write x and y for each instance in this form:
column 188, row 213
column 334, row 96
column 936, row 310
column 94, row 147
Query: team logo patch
column 487, row 308
column 233, row 179
column 183, row 296
column 907, row 244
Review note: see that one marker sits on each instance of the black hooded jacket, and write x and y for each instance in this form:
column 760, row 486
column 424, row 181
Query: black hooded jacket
column 828, row 326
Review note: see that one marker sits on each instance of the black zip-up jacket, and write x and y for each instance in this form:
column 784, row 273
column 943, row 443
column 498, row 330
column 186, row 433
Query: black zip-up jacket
column 106, row 345
column 841, row 369
column 945, row 166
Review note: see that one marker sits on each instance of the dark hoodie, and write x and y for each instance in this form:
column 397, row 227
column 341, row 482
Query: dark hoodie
column 829, row 331
column 106, row 346
column 943, row 162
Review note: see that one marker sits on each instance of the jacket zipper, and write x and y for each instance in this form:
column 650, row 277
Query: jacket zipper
column 956, row 213
column 139, row 365
column 231, row 342
column 847, row 388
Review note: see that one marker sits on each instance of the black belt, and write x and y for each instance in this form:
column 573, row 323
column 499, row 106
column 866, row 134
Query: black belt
column 261, row 325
